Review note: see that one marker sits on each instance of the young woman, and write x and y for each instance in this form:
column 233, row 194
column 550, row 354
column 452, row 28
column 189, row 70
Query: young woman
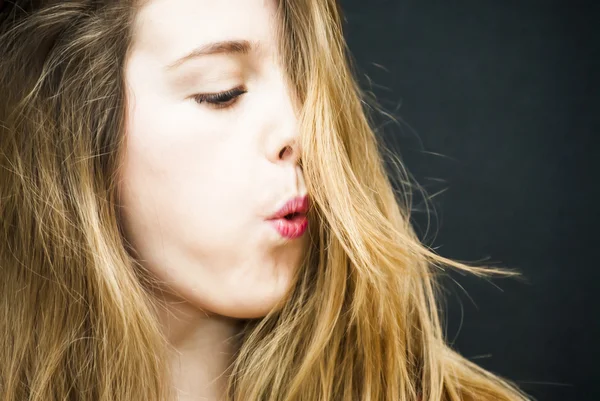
column 194, row 206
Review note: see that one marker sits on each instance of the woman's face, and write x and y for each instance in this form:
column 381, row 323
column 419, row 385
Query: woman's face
column 200, row 180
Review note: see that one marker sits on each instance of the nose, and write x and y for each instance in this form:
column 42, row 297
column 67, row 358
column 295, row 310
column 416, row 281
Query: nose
column 284, row 144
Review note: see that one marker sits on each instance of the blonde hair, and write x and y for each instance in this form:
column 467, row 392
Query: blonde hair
column 362, row 321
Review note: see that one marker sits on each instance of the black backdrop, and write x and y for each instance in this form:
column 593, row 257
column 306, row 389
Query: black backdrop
column 499, row 106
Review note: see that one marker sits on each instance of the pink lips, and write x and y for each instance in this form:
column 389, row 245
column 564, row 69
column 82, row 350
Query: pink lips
column 291, row 221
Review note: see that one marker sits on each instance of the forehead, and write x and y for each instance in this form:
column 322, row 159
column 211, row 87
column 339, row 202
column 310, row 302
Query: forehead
column 171, row 28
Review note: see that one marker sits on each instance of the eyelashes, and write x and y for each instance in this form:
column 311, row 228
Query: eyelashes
column 221, row 100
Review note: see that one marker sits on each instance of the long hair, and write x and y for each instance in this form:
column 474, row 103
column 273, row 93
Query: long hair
column 362, row 320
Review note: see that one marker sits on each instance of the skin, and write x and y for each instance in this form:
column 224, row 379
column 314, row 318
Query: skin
column 199, row 181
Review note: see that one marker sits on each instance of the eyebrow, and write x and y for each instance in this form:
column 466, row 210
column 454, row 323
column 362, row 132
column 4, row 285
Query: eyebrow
column 222, row 47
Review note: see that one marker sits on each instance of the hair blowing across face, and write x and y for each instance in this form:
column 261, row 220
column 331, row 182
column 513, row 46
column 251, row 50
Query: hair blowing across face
column 76, row 321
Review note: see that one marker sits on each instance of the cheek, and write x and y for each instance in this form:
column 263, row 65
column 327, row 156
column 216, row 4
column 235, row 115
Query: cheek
column 173, row 177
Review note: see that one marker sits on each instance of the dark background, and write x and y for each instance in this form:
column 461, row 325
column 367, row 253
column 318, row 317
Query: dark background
column 498, row 102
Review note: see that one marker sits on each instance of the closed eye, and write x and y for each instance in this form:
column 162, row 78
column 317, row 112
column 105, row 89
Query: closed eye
column 221, row 100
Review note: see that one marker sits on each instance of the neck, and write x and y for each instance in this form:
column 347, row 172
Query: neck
column 202, row 350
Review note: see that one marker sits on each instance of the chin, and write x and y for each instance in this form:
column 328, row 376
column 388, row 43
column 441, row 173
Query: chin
column 252, row 304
